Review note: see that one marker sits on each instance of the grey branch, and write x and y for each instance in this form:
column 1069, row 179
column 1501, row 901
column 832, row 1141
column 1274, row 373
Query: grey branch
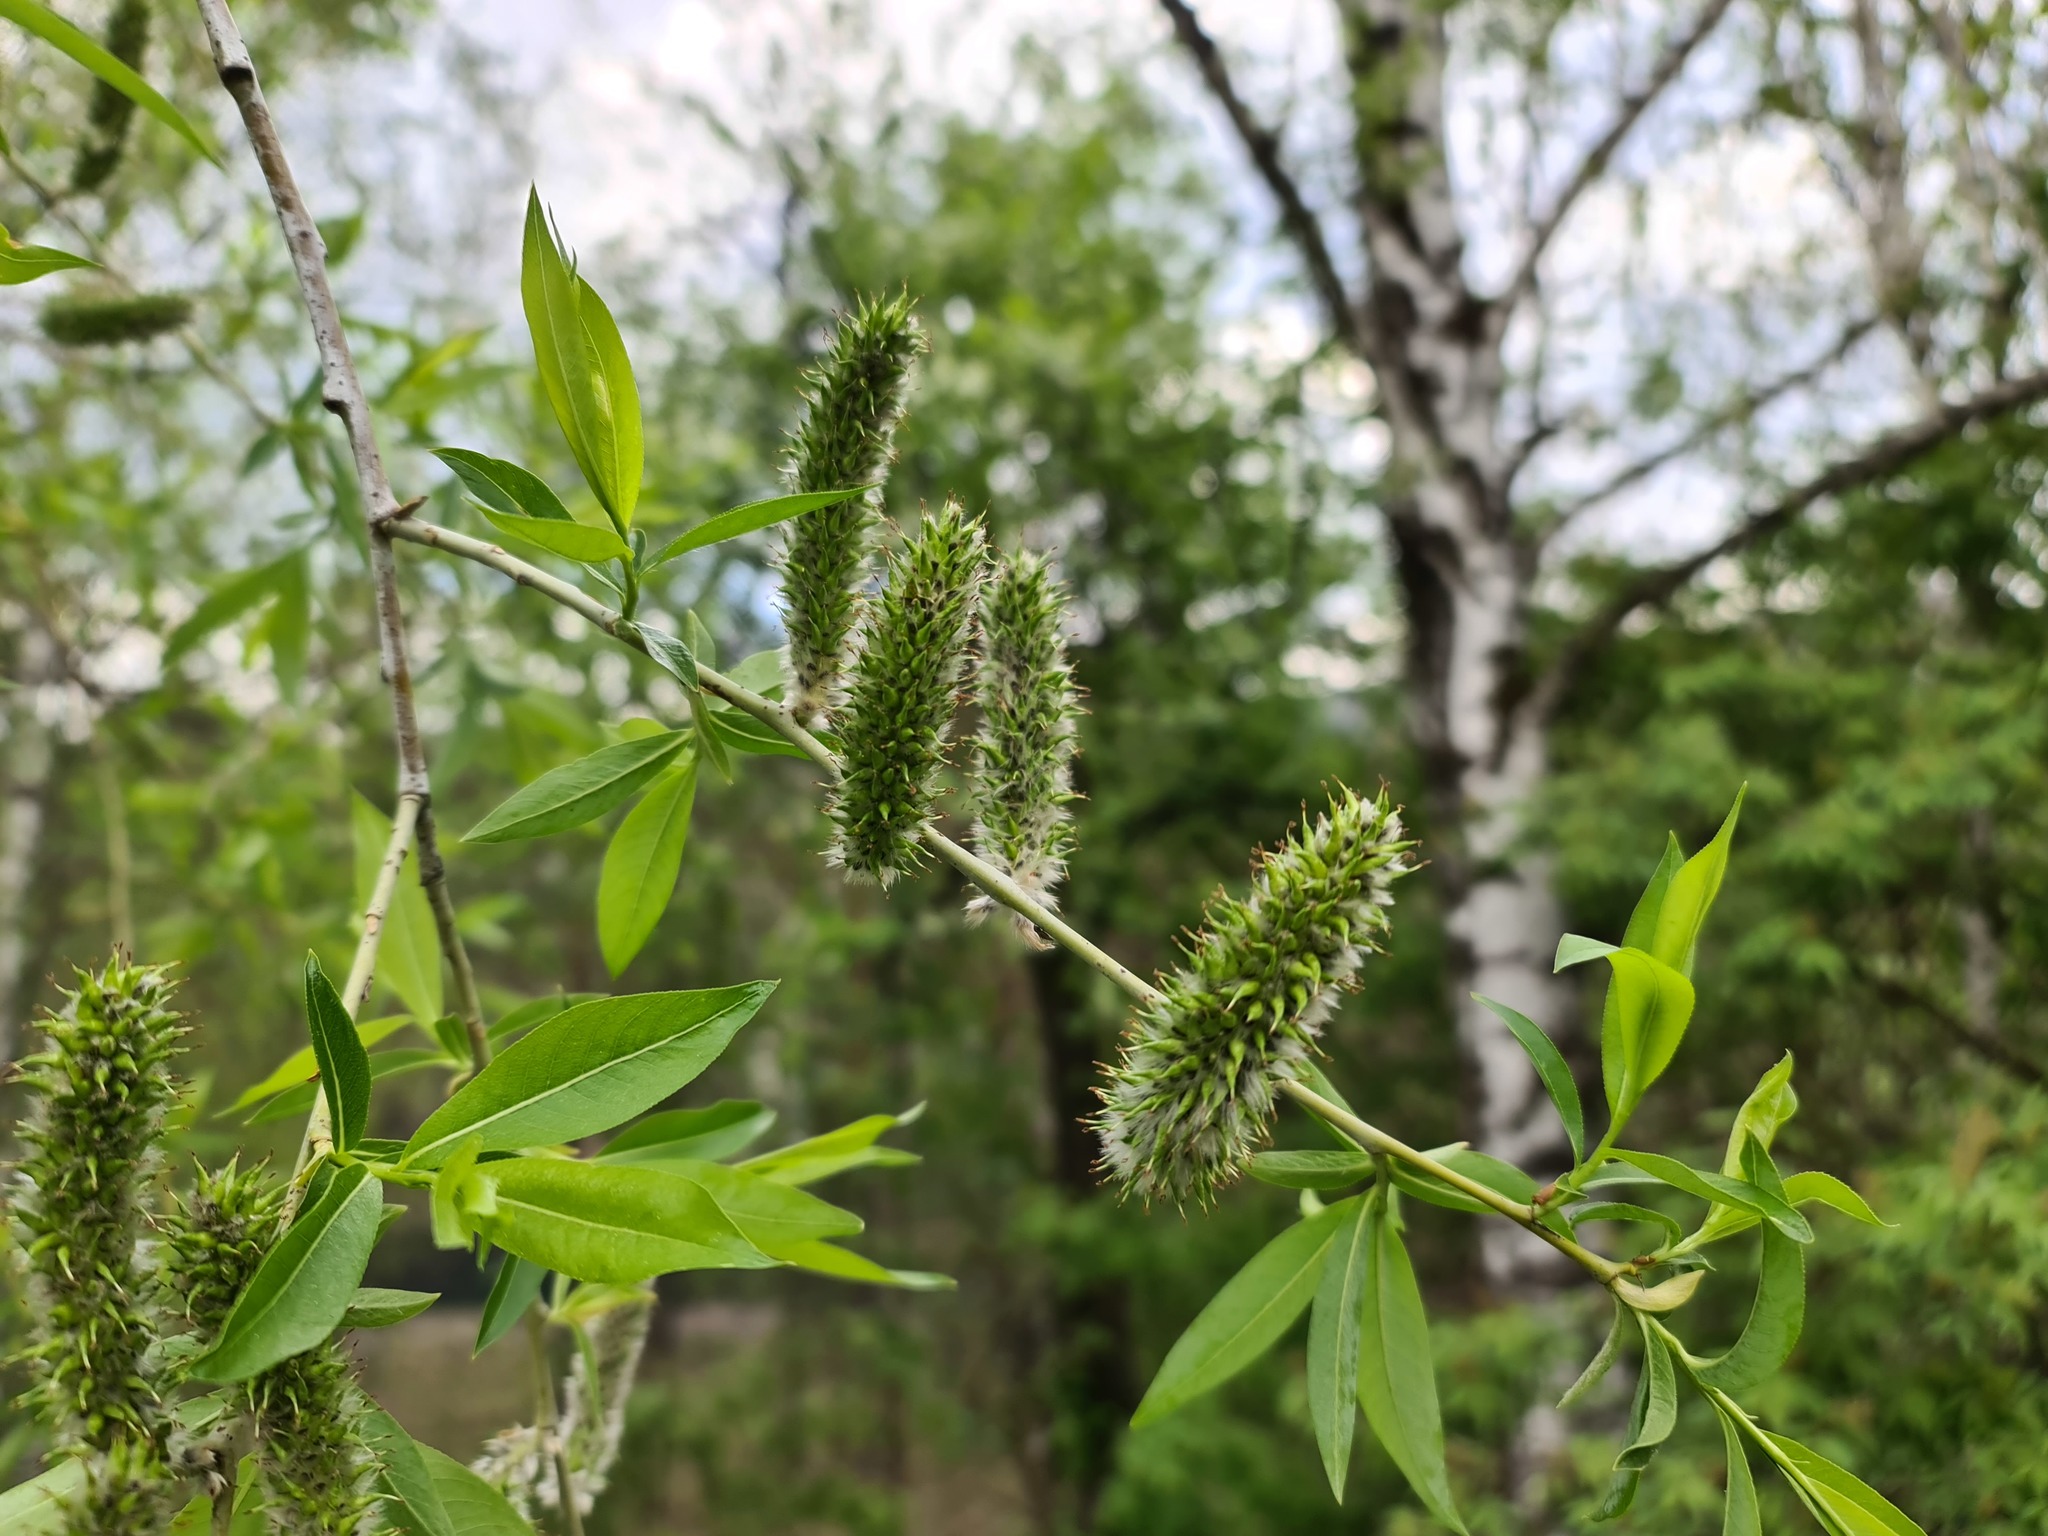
column 1711, row 426
column 1299, row 221
column 1594, row 165
column 1884, row 456
column 784, row 724
column 342, row 393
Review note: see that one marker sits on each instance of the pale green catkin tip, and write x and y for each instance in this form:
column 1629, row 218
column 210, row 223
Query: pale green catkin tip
column 1193, row 1093
column 853, row 400
column 900, row 703
column 1023, row 756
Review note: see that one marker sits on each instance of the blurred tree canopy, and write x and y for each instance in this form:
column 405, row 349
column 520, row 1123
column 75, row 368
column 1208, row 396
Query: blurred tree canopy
column 1874, row 673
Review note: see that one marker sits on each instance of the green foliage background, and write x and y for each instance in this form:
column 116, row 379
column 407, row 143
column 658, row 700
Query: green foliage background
column 1882, row 691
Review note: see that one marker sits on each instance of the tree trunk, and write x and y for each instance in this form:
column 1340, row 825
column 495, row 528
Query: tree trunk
column 25, row 765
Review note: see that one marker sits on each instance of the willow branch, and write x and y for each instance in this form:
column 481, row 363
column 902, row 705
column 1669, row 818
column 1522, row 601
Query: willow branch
column 1594, row 165
column 342, row 394
column 1372, row 1139
column 784, row 724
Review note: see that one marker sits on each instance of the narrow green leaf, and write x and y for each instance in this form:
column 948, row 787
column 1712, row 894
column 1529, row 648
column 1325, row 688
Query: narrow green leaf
column 605, row 1221
column 1769, row 1105
column 849, row 1147
column 473, row 1506
column 338, row 1050
column 585, row 543
column 409, row 954
column 710, row 744
column 516, row 1288
column 743, row 733
column 577, row 792
column 1691, row 894
column 1775, row 1318
column 301, row 1067
column 670, row 654
column 710, row 1134
column 1333, row 1326
column 25, row 263
column 293, row 1103
column 503, row 486
column 843, row 1264
column 1551, row 1067
column 1396, row 1376
column 451, row 1186
column 304, row 1284
column 1740, row 1516
column 1311, row 1170
column 750, row 518
column 1657, row 1392
column 1502, row 1177
column 1601, row 1363
column 1577, row 949
column 42, row 1505
column 618, row 448
column 561, row 345
column 641, row 865
column 1854, row 1507
column 587, row 1070
column 376, row 1306
column 769, row 1215
column 1641, row 1032
column 1641, row 932
column 1246, row 1318
column 1826, row 1189
column 53, row 29
column 405, row 1477
column 1715, row 1186
column 1621, row 1210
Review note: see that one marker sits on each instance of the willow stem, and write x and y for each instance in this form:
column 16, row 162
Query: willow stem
column 547, row 1421
column 1372, row 1139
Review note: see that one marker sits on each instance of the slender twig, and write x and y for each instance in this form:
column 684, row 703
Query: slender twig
column 342, row 394
column 1372, row 1139
column 547, row 1422
column 1594, row 165
column 784, row 724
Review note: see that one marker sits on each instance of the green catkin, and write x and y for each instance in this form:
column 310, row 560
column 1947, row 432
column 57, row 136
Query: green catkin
column 1193, row 1093
column 853, row 401
column 1023, row 756
column 214, row 1242
column 900, row 704
column 109, row 113
column 110, row 321
column 100, row 1089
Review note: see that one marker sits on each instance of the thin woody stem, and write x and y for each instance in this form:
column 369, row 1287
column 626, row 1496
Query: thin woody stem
column 1373, row 1139
column 342, row 394
column 783, row 723
column 547, row 1421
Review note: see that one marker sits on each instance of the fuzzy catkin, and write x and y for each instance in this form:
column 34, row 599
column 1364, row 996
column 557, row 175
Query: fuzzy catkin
column 1023, row 755
column 853, row 401
column 900, row 704
column 1193, row 1092
column 110, row 321
column 109, row 113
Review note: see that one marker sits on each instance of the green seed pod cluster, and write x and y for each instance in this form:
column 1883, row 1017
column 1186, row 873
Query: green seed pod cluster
column 309, row 1443
column 900, row 706
column 853, row 401
column 109, row 321
column 127, row 1492
column 1193, row 1093
column 214, row 1242
column 109, row 113
column 99, row 1090
column 1023, row 757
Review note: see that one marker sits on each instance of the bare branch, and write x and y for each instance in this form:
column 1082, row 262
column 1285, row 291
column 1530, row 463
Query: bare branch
column 1594, row 166
column 342, row 394
column 1887, row 454
column 1711, row 426
column 1299, row 221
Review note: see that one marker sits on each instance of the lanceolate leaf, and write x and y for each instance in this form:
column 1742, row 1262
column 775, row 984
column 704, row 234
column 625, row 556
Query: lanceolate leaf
column 1683, row 911
column 1550, row 1066
column 1641, row 932
column 1775, row 1319
column 405, row 1476
column 473, row 1506
column 25, row 263
column 1246, row 1317
column 338, row 1049
column 561, row 345
column 580, row 791
column 1311, row 1170
column 849, row 1147
column 641, row 865
column 1714, row 1186
column 771, row 1216
column 1601, row 1363
column 1741, row 1517
column 843, row 1264
column 1826, row 1189
column 409, row 954
column 42, row 1505
column 503, row 486
column 301, row 1067
column 293, row 1103
column 585, row 543
column 748, row 519
column 1576, row 949
column 618, row 449
column 1502, row 1177
column 1619, row 1210
column 605, row 1222
column 587, row 1070
column 304, row 1285
column 81, row 47
column 1850, row 1506
column 712, row 1133
column 516, row 1288
column 1657, row 1399
column 1652, row 1005
column 1333, row 1327
column 1396, row 1376
column 375, row 1306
